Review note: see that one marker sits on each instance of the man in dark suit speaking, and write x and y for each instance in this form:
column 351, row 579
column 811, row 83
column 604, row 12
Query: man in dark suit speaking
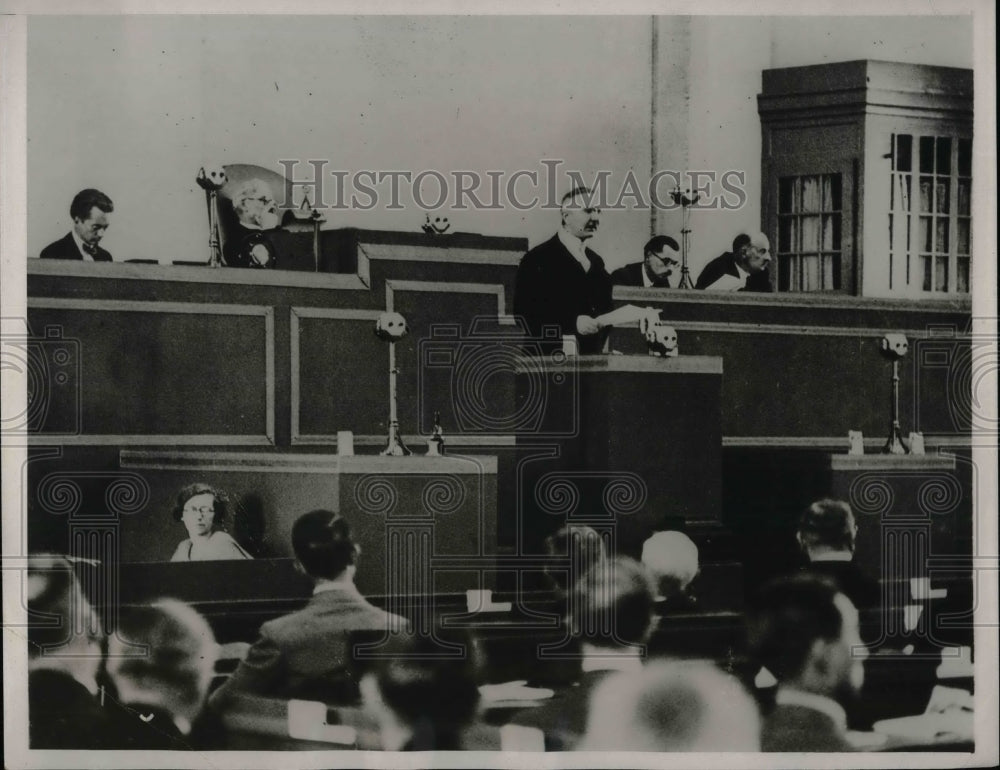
column 562, row 286
column 659, row 260
column 91, row 212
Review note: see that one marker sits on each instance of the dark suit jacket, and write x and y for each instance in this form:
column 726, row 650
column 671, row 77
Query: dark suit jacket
column 862, row 590
column 62, row 714
column 307, row 654
column 725, row 264
column 799, row 728
column 631, row 275
column 65, row 248
column 552, row 289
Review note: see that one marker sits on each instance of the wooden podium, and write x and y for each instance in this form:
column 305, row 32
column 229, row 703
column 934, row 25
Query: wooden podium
column 626, row 444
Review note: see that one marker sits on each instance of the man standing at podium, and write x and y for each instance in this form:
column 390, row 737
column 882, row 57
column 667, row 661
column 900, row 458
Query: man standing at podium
column 563, row 286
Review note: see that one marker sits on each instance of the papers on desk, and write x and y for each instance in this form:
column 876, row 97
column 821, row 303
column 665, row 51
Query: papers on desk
column 956, row 725
column 949, row 717
column 956, row 663
column 627, row 314
column 510, row 693
column 862, row 741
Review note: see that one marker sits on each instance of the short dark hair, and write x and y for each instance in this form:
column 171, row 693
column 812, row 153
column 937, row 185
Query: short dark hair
column 828, row 523
column 571, row 540
column 655, row 244
column 322, row 543
column 221, row 506
column 790, row 613
column 612, row 605
column 741, row 240
column 85, row 200
column 431, row 688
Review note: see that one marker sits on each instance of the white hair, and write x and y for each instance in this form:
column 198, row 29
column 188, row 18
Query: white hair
column 671, row 555
column 672, row 706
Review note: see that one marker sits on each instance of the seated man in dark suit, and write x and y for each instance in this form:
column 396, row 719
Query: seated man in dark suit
column 660, row 257
column 805, row 633
column 161, row 691
column 91, row 214
column 307, row 654
column 611, row 615
column 64, row 655
column 742, row 269
column 826, row 534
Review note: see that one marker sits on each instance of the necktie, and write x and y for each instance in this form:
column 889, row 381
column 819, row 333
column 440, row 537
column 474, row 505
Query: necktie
column 90, row 248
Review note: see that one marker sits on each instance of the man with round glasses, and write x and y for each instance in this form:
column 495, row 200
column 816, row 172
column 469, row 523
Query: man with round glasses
column 661, row 256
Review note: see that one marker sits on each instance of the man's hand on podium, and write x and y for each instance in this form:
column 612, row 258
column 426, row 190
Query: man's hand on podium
column 586, row 325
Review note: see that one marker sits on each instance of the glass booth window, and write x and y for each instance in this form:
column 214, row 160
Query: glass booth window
column 809, row 232
column 930, row 243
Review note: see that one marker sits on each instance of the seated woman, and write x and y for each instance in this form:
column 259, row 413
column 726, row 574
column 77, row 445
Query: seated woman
column 203, row 510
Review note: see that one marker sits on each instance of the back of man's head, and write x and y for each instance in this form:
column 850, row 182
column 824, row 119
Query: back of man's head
column 672, row 706
column 828, row 525
column 581, row 545
column 163, row 654
column 61, row 616
column 612, row 604
column 672, row 557
column 788, row 617
column 430, row 684
column 322, row 544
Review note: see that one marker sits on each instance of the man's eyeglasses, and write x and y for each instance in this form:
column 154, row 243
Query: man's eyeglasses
column 201, row 509
column 669, row 262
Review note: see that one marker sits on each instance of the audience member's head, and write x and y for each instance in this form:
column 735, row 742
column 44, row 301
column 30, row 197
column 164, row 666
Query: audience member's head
column 584, row 548
column 672, row 557
column 805, row 632
column 752, row 251
column 323, row 545
column 424, row 690
column 611, row 607
column 64, row 632
column 672, row 706
column 827, row 526
column 163, row 655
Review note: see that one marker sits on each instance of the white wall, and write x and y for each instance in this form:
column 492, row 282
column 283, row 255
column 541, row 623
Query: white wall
column 156, row 97
column 134, row 105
